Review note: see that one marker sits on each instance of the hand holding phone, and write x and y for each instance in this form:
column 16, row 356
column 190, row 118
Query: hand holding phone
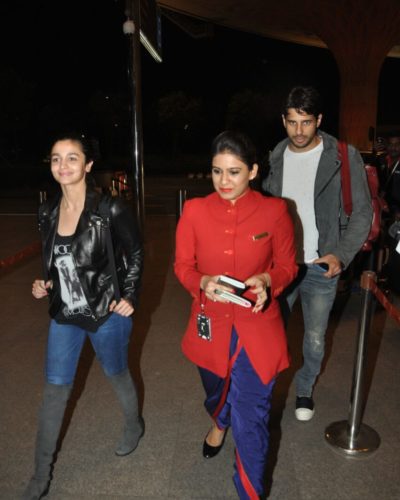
column 235, row 299
column 238, row 287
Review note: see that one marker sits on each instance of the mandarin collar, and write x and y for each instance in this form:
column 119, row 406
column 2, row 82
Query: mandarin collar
column 244, row 200
column 243, row 208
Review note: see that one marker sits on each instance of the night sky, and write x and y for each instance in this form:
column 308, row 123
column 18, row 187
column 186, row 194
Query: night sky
column 64, row 66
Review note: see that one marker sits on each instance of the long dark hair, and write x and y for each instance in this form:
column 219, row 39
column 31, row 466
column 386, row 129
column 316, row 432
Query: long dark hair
column 236, row 143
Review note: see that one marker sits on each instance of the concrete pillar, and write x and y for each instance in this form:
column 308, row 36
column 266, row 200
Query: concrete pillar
column 358, row 99
column 359, row 34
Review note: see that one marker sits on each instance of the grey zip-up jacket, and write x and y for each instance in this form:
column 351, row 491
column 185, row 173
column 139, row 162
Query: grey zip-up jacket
column 338, row 235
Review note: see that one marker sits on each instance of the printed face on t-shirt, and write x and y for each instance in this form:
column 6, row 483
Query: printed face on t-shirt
column 71, row 290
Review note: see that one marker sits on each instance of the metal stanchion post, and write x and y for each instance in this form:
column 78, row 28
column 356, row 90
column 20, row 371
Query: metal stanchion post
column 352, row 437
column 131, row 28
column 181, row 198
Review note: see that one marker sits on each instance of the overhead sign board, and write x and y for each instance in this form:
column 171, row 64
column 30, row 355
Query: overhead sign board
column 150, row 27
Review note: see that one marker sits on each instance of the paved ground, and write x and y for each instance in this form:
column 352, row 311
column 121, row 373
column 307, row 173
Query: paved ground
column 168, row 463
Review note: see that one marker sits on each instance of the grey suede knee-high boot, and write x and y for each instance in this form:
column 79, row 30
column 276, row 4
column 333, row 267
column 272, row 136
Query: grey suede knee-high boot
column 51, row 416
column 134, row 425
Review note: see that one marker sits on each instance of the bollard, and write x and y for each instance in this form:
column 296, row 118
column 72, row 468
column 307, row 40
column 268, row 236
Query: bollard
column 352, row 437
column 181, row 198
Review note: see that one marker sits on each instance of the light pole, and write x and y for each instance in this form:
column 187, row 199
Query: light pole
column 131, row 29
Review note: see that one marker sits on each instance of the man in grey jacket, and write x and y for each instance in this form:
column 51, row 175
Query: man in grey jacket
column 305, row 170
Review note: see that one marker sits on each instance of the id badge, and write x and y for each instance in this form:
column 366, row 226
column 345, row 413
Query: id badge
column 204, row 326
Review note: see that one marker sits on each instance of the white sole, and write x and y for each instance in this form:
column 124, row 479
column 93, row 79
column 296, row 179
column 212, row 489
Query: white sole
column 304, row 414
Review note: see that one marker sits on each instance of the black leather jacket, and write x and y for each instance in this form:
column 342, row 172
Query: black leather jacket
column 89, row 251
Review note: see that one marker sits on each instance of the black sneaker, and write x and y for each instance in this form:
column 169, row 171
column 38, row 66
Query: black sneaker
column 304, row 408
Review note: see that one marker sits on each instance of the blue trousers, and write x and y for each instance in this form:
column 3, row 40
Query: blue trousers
column 317, row 294
column 65, row 343
column 241, row 401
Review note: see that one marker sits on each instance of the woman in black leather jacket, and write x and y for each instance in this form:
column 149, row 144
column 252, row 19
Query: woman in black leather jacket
column 88, row 297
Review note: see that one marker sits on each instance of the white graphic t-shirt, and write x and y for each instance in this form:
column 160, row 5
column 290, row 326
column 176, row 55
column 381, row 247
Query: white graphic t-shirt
column 74, row 301
column 75, row 308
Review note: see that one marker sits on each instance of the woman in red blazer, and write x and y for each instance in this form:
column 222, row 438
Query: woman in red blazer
column 236, row 232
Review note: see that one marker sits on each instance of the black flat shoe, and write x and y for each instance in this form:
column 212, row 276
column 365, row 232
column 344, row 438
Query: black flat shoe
column 211, row 451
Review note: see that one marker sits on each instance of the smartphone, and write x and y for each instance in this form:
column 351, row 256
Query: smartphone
column 238, row 285
column 323, row 265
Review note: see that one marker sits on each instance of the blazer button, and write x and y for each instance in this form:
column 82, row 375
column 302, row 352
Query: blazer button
column 228, row 252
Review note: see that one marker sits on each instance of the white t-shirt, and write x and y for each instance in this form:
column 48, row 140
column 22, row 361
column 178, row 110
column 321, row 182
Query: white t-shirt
column 299, row 172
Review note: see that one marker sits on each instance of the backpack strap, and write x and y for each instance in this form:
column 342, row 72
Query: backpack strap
column 105, row 213
column 393, row 170
column 345, row 177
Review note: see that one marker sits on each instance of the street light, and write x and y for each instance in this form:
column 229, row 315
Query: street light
column 134, row 74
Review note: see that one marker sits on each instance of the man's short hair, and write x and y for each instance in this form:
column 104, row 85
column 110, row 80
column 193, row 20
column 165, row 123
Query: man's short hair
column 304, row 100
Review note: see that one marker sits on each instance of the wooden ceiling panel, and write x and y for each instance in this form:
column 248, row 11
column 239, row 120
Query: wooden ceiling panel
column 309, row 22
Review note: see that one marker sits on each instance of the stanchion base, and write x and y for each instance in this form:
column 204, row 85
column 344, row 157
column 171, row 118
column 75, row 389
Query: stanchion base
column 367, row 441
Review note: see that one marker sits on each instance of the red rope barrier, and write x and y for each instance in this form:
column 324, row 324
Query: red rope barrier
column 29, row 251
column 391, row 310
column 368, row 282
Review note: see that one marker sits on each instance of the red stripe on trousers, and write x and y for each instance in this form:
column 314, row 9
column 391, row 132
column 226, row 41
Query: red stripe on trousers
column 245, row 480
column 227, row 381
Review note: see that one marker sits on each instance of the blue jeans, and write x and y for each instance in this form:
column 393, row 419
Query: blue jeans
column 65, row 343
column 317, row 294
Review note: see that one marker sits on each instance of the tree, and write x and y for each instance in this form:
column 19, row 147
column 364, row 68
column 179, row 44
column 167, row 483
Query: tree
column 15, row 112
column 256, row 113
column 181, row 118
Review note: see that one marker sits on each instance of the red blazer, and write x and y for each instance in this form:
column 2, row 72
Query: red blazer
column 215, row 237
